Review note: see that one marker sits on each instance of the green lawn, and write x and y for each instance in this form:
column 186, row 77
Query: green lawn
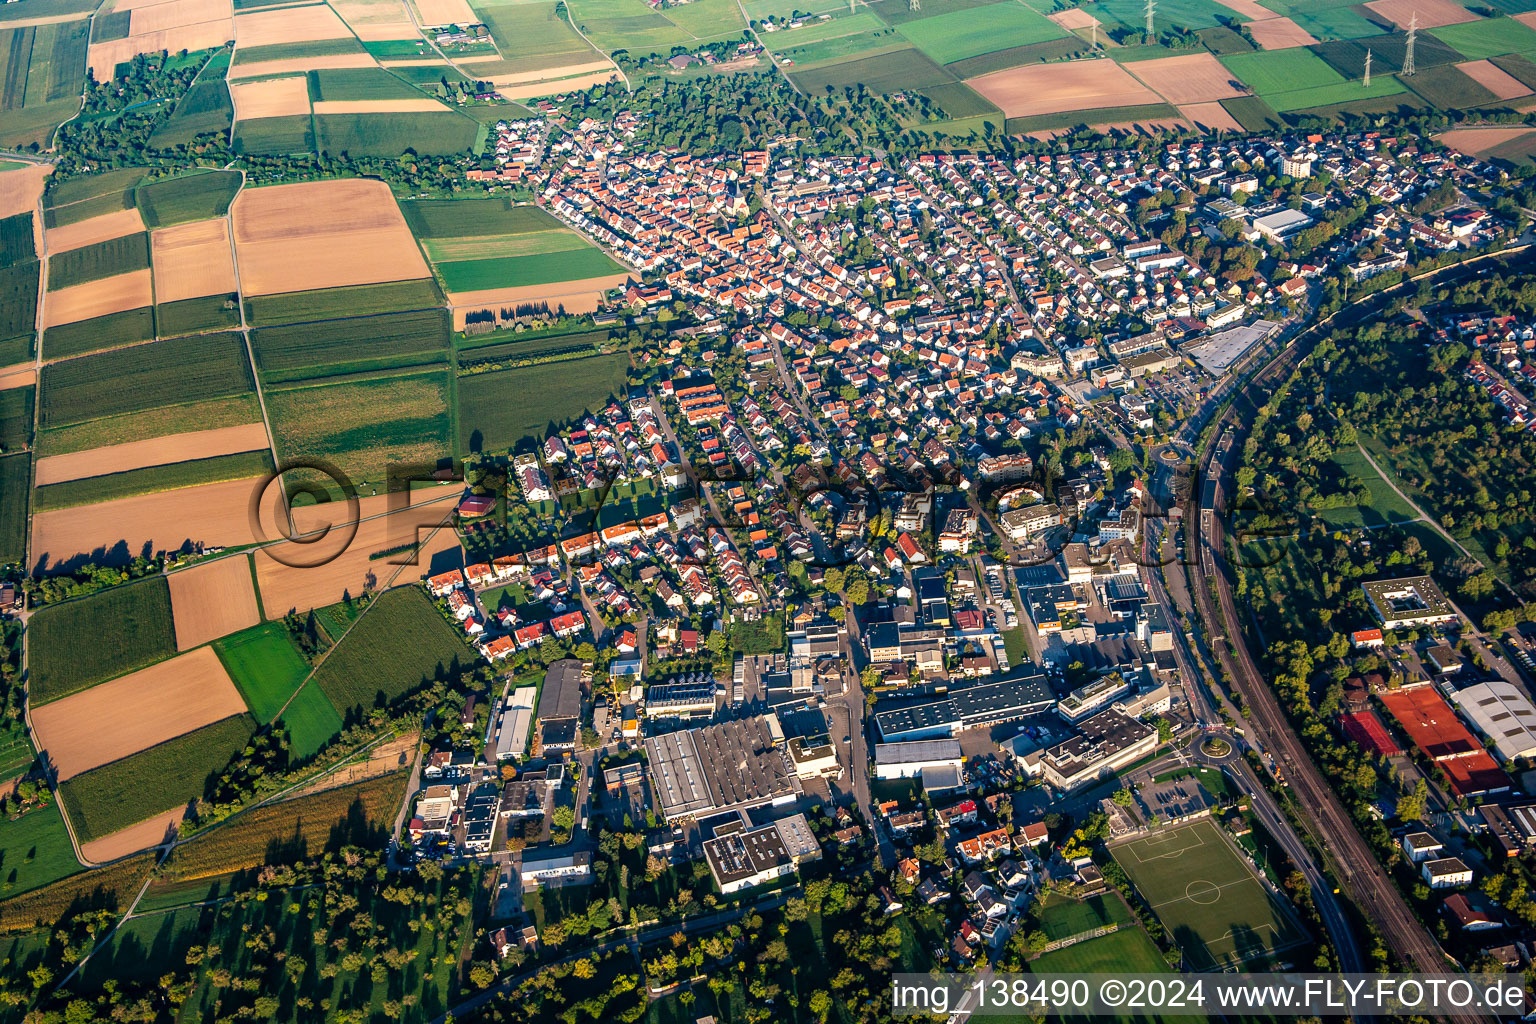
column 265, row 666
column 34, row 850
column 312, row 722
column 1127, row 951
column 1487, row 37
column 1062, row 917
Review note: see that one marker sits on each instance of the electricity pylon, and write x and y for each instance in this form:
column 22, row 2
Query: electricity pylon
column 1413, row 31
column 1151, row 10
column 1367, row 69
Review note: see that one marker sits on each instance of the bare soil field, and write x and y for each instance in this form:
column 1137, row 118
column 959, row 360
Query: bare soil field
column 191, row 260
column 207, row 513
column 1074, row 18
column 105, row 57
column 158, row 451
column 21, row 375
column 134, row 712
column 389, row 756
column 400, row 106
column 262, row 69
column 354, row 570
column 322, row 234
column 21, row 189
column 97, row 298
column 1503, row 85
column 1279, row 34
column 1477, row 141
column 93, row 230
column 177, row 14
column 373, row 20
column 576, row 296
column 1191, row 78
column 289, row 25
column 1068, row 85
column 272, row 97
column 147, row 833
column 1432, row 13
column 211, row 600
column 1210, row 116
column 445, row 12
column 1247, row 8
column 553, row 88
column 539, row 76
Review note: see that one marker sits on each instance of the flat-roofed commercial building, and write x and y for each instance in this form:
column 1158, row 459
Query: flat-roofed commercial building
column 909, row 759
column 510, row 724
column 1105, row 743
column 746, row 857
column 1502, row 712
column 1409, row 602
column 1008, row 699
column 736, row 764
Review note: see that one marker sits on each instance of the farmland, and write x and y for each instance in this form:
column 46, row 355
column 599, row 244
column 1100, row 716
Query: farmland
column 15, row 490
column 150, row 479
column 265, row 665
column 104, row 259
column 102, row 332
column 204, row 313
column 204, row 108
column 176, row 772
column 18, row 299
column 15, row 418
column 328, row 303
column 16, row 242
column 40, row 79
column 113, row 886
column 171, row 372
column 557, row 392
column 882, row 73
column 213, row 599
column 1488, row 37
column 376, row 341
column 957, row 35
column 363, row 424
column 400, row 643
column 521, row 271
column 150, row 423
column 297, row 828
column 393, row 133
column 81, row 198
column 131, row 626
column 187, row 198
column 468, row 218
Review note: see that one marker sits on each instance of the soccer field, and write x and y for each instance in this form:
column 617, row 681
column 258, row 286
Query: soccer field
column 1208, row 898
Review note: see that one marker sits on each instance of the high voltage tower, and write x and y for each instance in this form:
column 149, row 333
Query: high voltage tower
column 1151, row 10
column 1413, row 31
column 914, row 5
column 1367, row 69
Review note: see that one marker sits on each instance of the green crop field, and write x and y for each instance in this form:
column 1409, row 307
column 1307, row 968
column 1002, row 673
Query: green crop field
column 143, row 377
column 336, row 84
column 312, row 722
column 275, row 136
column 1345, row 94
column 1347, row 56
column 102, row 259
column 961, row 34
column 18, row 299
column 418, row 336
column 959, row 100
column 189, row 197
column 151, row 479
column 1221, row 40
column 103, row 332
column 1449, row 88
column 427, row 133
column 1127, row 951
column 532, row 38
column 842, row 24
column 140, row 426
column 1278, row 71
column 265, row 666
column 34, row 851
column 474, row 218
column 15, row 418
column 401, row 642
column 1099, row 115
column 204, row 108
column 299, row 828
column 895, row 71
column 129, row 625
column 191, row 316
column 15, row 491
column 1486, row 37
column 528, row 243
column 16, row 242
column 554, row 392
column 1329, row 19
column 1189, row 14
column 1519, row 67
column 40, row 79
column 363, row 424
column 517, row 271
column 331, row 303
column 164, row 777
column 1017, row 56
column 297, row 51
column 1208, row 898
column 77, row 199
